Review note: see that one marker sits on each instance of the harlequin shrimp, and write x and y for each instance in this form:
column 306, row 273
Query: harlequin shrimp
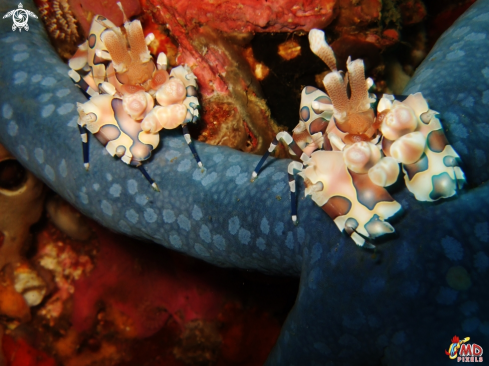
column 348, row 154
column 414, row 137
column 130, row 97
column 338, row 144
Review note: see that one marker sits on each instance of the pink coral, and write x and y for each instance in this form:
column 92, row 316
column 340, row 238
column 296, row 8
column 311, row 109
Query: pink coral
column 225, row 79
column 250, row 16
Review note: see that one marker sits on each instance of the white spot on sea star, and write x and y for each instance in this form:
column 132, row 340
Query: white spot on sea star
column 43, row 98
column 73, row 122
column 63, row 93
column 183, row 222
column 219, row 242
column 10, row 39
column 132, row 186
column 132, row 216
column 39, row 154
column 47, row 110
column 12, row 128
column 454, row 55
column 475, row 37
column 175, row 241
column 233, row 225
column 115, row 190
column 7, row 111
column 209, row 179
column 106, row 207
column 23, row 152
column 19, row 57
column 233, row 171
column 19, row 77
column 172, row 154
column 19, row 47
column 264, row 226
column 150, row 215
column 83, row 197
column 50, row 173
column 196, row 213
column 36, row 78
column 184, row 165
column 49, row 81
column 66, row 108
column 63, row 169
column 168, row 216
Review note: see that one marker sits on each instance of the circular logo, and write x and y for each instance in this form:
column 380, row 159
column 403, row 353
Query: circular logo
column 20, row 18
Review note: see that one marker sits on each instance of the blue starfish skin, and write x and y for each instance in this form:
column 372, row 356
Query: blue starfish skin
column 399, row 305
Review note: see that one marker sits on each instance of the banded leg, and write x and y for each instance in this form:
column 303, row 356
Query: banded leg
column 360, row 239
column 84, row 138
column 285, row 137
column 79, row 81
column 186, row 134
column 295, row 165
column 148, row 178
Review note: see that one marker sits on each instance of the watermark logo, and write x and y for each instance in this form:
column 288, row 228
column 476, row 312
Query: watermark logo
column 20, row 17
column 463, row 351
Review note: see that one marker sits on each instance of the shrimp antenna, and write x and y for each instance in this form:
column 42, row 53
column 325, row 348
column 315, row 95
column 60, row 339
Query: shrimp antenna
column 119, row 4
column 101, row 22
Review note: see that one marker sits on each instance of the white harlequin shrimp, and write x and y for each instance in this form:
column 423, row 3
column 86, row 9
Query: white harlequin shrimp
column 337, row 141
column 131, row 97
column 349, row 154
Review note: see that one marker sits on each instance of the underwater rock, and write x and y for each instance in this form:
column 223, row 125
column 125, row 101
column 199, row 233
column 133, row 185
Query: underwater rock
column 231, row 16
column 23, row 194
column 210, row 37
column 29, row 283
column 14, row 309
column 67, row 219
column 113, row 299
column 354, row 306
column 235, row 113
column 365, row 28
column 19, row 352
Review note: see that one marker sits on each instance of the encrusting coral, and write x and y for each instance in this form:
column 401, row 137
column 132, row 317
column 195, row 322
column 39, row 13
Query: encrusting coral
column 353, row 306
column 61, row 25
column 236, row 112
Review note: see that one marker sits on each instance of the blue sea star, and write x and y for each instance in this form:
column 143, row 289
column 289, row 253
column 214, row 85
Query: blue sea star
column 355, row 307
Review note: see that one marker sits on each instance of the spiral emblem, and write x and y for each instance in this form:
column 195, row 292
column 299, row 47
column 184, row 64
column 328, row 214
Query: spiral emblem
column 20, row 17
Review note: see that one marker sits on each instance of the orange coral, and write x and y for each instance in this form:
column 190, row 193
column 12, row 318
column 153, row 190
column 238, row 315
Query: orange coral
column 61, row 25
